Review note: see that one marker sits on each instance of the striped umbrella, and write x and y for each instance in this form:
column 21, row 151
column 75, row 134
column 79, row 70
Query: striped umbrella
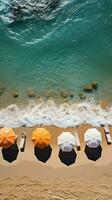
column 7, row 137
column 41, row 137
column 66, row 141
column 92, row 138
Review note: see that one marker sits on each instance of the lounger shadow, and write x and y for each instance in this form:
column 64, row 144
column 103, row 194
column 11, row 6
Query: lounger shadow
column 93, row 153
column 68, row 158
column 43, row 154
column 10, row 154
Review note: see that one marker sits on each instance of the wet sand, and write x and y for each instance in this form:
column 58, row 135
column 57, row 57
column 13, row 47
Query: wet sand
column 28, row 178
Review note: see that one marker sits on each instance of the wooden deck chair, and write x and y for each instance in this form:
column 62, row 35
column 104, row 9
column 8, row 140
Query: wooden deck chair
column 78, row 145
column 107, row 134
column 22, row 142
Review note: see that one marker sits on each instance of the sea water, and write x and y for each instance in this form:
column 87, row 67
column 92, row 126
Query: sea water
column 55, row 46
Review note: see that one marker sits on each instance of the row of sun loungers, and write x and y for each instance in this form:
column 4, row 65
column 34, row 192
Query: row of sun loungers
column 23, row 142
column 41, row 138
column 78, row 144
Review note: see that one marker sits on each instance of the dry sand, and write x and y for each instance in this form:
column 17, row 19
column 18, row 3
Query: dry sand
column 27, row 178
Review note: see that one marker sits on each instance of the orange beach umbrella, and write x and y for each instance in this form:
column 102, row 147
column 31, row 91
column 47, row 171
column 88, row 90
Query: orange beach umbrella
column 7, row 137
column 41, row 137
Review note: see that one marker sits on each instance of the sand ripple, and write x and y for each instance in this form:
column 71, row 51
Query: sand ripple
column 71, row 189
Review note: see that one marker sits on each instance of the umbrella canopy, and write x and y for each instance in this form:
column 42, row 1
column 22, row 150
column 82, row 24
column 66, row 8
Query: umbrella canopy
column 7, row 137
column 93, row 138
column 66, row 141
column 41, row 137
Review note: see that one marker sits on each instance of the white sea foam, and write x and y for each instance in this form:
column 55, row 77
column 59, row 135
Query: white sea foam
column 48, row 113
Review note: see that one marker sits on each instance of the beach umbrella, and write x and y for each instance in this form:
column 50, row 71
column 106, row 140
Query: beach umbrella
column 7, row 137
column 41, row 137
column 66, row 141
column 92, row 138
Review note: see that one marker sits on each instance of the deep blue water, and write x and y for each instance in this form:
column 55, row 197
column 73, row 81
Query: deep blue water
column 57, row 48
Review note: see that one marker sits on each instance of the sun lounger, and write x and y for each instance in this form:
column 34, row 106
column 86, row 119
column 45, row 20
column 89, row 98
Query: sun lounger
column 106, row 128
column 107, row 134
column 78, row 146
column 22, row 142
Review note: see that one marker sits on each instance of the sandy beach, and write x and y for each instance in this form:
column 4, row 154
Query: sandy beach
column 28, row 178
column 56, row 73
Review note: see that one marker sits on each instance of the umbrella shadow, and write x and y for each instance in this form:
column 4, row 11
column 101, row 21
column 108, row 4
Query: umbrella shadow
column 93, row 153
column 10, row 154
column 68, row 158
column 43, row 154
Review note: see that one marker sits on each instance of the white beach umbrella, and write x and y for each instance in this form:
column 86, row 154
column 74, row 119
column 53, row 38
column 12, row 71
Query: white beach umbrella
column 92, row 138
column 66, row 141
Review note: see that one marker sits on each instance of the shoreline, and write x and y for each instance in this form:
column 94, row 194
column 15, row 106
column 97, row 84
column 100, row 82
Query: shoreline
column 40, row 113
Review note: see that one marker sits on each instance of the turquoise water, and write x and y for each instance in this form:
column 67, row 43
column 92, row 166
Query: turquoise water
column 58, row 48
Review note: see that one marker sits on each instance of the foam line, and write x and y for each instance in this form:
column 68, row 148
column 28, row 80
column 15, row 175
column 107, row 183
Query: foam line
column 48, row 113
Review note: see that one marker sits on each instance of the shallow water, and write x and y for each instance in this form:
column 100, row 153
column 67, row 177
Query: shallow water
column 56, row 48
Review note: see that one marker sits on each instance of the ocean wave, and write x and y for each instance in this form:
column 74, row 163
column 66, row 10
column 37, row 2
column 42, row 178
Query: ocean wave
column 49, row 113
column 22, row 10
column 19, row 10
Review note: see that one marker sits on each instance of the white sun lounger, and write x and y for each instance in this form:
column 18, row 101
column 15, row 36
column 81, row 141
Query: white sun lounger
column 78, row 146
column 107, row 134
column 22, row 142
